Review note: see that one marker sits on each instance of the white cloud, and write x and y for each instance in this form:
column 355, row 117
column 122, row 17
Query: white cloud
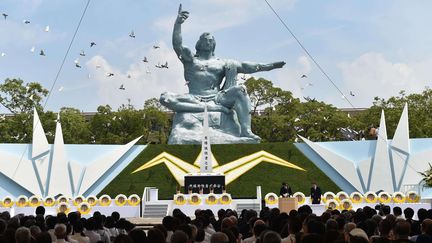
column 224, row 14
column 17, row 34
column 371, row 75
column 289, row 77
column 142, row 85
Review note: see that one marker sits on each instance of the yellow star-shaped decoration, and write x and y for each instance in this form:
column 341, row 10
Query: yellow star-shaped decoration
column 232, row 170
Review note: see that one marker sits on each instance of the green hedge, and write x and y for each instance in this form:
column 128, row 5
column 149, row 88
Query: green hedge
column 269, row 176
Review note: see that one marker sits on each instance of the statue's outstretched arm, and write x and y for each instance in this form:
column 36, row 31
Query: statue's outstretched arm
column 251, row 67
column 183, row 53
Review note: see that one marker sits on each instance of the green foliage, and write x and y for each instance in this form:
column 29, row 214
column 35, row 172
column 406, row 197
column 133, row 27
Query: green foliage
column 281, row 118
column 20, row 98
column 245, row 186
column 75, row 128
column 427, row 176
column 289, row 117
column 419, row 108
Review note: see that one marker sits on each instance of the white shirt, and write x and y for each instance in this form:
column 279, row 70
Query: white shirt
column 251, row 239
column 79, row 238
column 93, row 236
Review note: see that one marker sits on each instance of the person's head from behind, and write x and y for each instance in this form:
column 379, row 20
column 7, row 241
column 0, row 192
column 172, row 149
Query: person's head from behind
column 409, row 213
column 22, row 235
column 122, row 238
column 258, row 229
column 294, row 225
column 401, row 230
column 78, row 227
column 179, row 237
column 40, row 210
column 270, row 236
column 34, row 231
column 138, row 235
column 60, row 231
column 44, row 237
column 155, row 236
column 358, row 235
column 425, row 225
column 169, row 223
column 397, row 211
column 219, row 237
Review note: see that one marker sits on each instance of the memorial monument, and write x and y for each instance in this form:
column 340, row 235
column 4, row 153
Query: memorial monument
column 212, row 82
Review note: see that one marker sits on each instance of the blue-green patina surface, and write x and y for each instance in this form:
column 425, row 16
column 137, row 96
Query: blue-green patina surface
column 228, row 102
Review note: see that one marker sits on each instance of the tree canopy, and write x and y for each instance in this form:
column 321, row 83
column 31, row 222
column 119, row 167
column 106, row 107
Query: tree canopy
column 277, row 117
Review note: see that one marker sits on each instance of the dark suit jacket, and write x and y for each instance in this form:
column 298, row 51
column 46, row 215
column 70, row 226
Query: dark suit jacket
column 315, row 195
column 284, row 190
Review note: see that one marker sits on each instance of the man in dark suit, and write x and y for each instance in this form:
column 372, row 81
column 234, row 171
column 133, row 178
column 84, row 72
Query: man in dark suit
column 285, row 190
column 315, row 194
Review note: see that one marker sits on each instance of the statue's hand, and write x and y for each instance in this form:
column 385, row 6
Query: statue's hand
column 278, row 64
column 226, row 110
column 182, row 15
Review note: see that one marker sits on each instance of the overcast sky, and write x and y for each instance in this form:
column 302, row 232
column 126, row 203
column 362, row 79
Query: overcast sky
column 372, row 48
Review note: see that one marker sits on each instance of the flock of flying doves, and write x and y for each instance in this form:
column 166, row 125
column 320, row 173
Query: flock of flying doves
column 77, row 64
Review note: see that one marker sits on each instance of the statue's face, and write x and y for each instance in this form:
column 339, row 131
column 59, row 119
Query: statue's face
column 206, row 42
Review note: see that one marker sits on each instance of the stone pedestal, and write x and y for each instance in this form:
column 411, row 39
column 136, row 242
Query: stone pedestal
column 187, row 128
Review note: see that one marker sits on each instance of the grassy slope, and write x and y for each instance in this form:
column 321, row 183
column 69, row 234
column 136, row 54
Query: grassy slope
column 267, row 175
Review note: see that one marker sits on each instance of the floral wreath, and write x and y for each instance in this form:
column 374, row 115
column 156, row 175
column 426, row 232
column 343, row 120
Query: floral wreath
column 105, row 200
column 84, row 208
column 340, row 196
column 327, row 195
column 49, row 204
column 7, row 202
column 78, row 200
column 195, row 199
column 63, row 199
column 345, row 201
column 355, row 195
column 180, row 199
column 134, row 200
column 366, row 197
column 384, row 197
column 92, row 200
column 331, row 202
column 271, row 198
column 34, row 201
column 211, row 199
column 117, row 200
column 300, row 196
column 225, row 198
column 412, row 197
column 399, row 197
column 21, row 198
column 63, row 208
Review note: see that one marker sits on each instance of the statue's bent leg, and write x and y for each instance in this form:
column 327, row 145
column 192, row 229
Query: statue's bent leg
column 181, row 103
column 237, row 98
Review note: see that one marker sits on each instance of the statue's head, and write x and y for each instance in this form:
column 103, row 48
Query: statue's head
column 206, row 42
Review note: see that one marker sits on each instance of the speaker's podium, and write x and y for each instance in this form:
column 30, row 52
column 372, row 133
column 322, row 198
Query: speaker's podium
column 286, row 204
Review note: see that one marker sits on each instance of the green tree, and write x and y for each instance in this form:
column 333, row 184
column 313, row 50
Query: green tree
column 157, row 123
column 19, row 98
column 419, row 109
column 261, row 92
column 75, row 128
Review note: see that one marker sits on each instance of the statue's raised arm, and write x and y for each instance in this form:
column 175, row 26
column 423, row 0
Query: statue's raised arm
column 183, row 53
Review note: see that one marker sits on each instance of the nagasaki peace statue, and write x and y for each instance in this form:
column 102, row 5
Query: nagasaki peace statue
column 228, row 103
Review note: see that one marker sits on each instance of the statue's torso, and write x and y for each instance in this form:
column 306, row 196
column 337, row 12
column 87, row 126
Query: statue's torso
column 204, row 76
